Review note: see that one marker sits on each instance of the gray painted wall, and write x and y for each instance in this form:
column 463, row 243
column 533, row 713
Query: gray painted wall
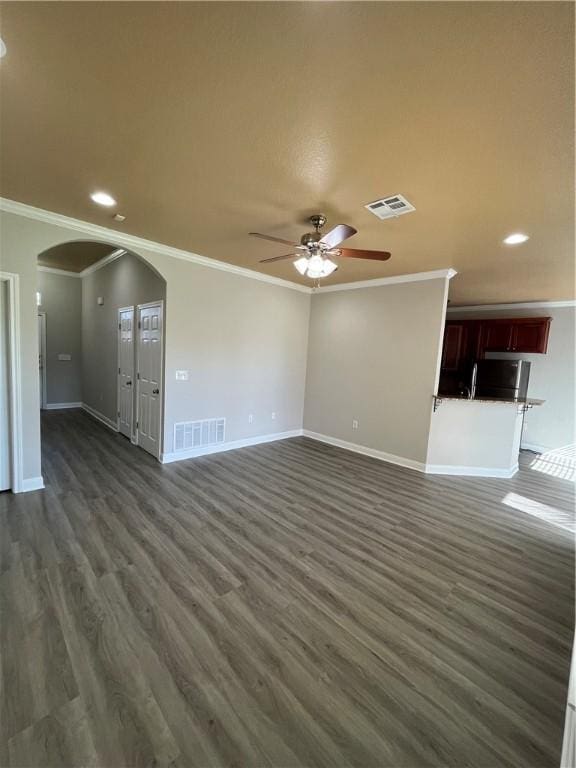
column 125, row 282
column 62, row 304
column 373, row 357
column 244, row 345
column 552, row 376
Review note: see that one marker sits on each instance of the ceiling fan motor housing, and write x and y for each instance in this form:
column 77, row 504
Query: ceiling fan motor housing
column 310, row 238
column 318, row 221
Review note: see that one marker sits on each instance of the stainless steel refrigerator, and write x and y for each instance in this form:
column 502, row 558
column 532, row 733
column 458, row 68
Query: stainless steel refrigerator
column 501, row 379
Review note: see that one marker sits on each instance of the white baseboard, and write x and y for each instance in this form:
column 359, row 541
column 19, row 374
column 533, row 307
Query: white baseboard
column 373, row 452
column 402, row 461
column 100, row 417
column 32, row 484
column 168, row 458
column 448, row 469
column 61, row 406
column 535, row 447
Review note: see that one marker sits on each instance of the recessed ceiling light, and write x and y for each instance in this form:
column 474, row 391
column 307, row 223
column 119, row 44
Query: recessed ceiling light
column 103, row 198
column 2, row 48
column 516, row 239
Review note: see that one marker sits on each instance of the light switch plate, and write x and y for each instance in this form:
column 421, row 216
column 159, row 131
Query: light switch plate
column 64, row 356
column 181, row 375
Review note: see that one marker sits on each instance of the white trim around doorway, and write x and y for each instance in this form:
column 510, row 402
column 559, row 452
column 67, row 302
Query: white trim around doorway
column 17, row 461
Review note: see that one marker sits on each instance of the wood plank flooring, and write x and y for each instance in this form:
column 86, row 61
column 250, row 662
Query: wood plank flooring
column 290, row 604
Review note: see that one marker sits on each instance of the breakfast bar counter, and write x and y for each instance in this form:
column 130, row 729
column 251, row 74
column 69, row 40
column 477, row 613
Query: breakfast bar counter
column 479, row 436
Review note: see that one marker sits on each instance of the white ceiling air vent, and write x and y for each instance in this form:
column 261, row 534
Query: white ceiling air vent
column 389, row 207
column 197, row 434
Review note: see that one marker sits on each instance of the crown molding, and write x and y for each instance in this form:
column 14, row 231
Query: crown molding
column 132, row 242
column 89, row 270
column 416, row 277
column 102, row 262
column 519, row 305
column 56, row 271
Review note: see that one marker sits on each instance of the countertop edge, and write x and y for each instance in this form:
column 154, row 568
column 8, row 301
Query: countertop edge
column 489, row 400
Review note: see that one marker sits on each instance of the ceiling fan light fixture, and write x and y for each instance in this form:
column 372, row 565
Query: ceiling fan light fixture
column 315, row 248
column 329, row 267
column 315, row 266
column 302, row 265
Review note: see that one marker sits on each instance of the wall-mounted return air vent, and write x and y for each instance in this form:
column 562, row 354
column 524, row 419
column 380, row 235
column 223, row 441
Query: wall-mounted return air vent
column 390, row 207
column 197, row 434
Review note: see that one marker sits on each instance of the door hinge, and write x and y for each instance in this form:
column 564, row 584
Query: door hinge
column 119, row 326
column 118, row 413
column 119, row 370
column 137, row 424
column 138, row 376
column 139, row 324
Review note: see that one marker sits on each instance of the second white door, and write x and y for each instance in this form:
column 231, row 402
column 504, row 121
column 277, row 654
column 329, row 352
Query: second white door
column 149, row 376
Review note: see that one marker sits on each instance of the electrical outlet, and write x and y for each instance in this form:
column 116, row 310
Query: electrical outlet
column 354, row 424
column 181, row 375
column 273, row 415
column 250, row 418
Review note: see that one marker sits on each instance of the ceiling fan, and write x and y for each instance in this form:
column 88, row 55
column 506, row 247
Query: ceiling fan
column 316, row 250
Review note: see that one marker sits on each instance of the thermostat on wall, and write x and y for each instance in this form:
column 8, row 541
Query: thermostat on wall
column 100, row 300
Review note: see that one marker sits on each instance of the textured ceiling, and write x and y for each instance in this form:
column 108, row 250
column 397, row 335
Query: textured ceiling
column 74, row 257
column 210, row 120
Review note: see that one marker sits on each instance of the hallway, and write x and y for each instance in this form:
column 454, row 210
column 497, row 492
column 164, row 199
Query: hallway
column 289, row 604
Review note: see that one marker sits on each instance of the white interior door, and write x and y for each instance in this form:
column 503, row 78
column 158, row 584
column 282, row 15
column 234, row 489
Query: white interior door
column 126, row 370
column 149, row 376
column 5, row 448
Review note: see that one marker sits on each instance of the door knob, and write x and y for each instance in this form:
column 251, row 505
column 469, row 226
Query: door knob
column 128, row 383
column 155, row 391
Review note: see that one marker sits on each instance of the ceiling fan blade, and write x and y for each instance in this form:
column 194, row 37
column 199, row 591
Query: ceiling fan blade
column 279, row 258
column 273, row 239
column 337, row 235
column 352, row 253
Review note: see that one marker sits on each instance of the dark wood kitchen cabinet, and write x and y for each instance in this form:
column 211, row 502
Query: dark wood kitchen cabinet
column 452, row 351
column 518, row 334
column 460, row 344
column 531, row 335
column 466, row 341
column 458, row 352
column 496, row 337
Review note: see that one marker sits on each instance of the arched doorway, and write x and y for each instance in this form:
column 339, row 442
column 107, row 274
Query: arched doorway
column 101, row 316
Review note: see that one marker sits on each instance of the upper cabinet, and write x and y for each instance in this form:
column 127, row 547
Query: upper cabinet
column 453, row 349
column 531, row 335
column 496, row 336
column 519, row 334
column 468, row 340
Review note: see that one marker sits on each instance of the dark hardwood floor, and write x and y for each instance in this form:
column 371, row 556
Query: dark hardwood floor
column 290, row 604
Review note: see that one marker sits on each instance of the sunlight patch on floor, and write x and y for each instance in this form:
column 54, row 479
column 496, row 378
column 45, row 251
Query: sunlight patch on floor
column 561, row 463
column 558, row 517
